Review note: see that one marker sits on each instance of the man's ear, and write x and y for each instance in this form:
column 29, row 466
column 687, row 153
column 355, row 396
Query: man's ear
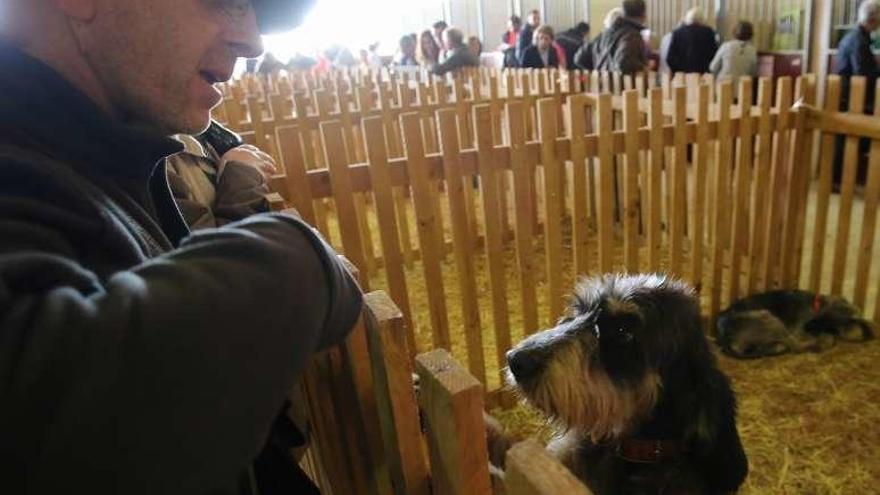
column 80, row 10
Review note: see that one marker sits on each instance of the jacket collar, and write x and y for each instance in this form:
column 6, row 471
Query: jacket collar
column 42, row 110
column 39, row 103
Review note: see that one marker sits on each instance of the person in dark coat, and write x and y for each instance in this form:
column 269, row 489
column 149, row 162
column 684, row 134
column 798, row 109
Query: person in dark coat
column 854, row 55
column 621, row 47
column 572, row 40
column 855, row 58
column 541, row 54
column 693, row 45
column 460, row 55
column 524, row 40
column 136, row 357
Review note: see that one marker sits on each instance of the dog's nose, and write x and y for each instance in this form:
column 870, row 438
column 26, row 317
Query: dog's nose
column 523, row 364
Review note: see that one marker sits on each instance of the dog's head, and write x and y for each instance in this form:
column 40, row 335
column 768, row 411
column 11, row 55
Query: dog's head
column 601, row 368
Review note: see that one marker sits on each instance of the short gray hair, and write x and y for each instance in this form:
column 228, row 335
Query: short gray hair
column 694, row 16
column 868, row 10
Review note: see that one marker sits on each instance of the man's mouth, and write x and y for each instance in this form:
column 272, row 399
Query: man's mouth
column 211, row 77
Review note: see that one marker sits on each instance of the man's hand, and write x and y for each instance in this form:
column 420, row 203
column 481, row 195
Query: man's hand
column 250, row 155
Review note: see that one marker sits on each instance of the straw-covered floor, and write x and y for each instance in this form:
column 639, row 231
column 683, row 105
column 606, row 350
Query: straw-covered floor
column 810, row 423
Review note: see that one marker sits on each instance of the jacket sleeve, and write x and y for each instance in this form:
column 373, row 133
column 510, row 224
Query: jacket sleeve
column 672, row 56
column 163, row 378
column 241, row 192
column 715, row 64
column 453, row 62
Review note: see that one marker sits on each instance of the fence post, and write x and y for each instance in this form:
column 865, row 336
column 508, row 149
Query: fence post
column 531, row 470
column 452, row 401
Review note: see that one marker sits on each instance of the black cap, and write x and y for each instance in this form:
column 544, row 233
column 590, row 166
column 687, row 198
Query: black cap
column 274, row 16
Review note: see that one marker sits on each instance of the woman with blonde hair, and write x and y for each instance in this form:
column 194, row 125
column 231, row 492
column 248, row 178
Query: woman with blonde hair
column 427, row 52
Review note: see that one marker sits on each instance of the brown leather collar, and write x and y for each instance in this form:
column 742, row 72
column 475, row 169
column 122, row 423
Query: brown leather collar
column 649, row 451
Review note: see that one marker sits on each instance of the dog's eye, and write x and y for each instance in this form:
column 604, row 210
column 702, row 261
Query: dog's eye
column 624, row 334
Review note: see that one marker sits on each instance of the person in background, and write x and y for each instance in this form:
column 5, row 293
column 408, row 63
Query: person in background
column 459, row 54
column 541, row 53
column 211, row 189
column 621, row 48
column 855, row 58
column 475, row 46
column 854, row 55
column 508, row 41
column 270, row 66
column 737, row 57
column 437, row 30
column 693, row 45
column 526, row 34
column 573, row 40
column 428, row 52
column 583, row 58
column 665, row 41
column 406, row 52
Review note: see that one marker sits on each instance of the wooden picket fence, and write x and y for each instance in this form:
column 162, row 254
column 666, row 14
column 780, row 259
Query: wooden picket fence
column 686, row 177
column 371, row 433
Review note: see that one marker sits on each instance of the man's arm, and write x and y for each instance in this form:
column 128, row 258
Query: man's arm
column 164, row 378
column 241, row 192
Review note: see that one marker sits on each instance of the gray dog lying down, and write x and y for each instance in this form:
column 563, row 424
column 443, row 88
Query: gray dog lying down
column 783, row 321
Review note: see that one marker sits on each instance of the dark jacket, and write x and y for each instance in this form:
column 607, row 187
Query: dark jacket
column 692, row 49
column 583, row 57
column 134, row 357
column 620, row 48
column 532, row 58
column 855, row 58
column 460, row 57
column 524, row 39
column 571, row 42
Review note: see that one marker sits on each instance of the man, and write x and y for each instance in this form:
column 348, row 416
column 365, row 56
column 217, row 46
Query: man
column 621, row 48
column 572, row 40
column 524, row 39
column 459, row 54
column 855, row 58
column 136, row 358
column 693, row 45
column 854, row 55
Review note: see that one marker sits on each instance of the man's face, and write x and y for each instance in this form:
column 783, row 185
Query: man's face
column 160, row 59
column 543, row 41
column 535, row 19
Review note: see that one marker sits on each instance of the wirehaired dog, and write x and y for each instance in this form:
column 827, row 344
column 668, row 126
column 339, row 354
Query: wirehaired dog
column 783, row 321
column 628, row 378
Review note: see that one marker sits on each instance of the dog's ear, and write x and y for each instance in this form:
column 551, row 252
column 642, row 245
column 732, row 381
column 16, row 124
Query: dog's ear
column 717, row 449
